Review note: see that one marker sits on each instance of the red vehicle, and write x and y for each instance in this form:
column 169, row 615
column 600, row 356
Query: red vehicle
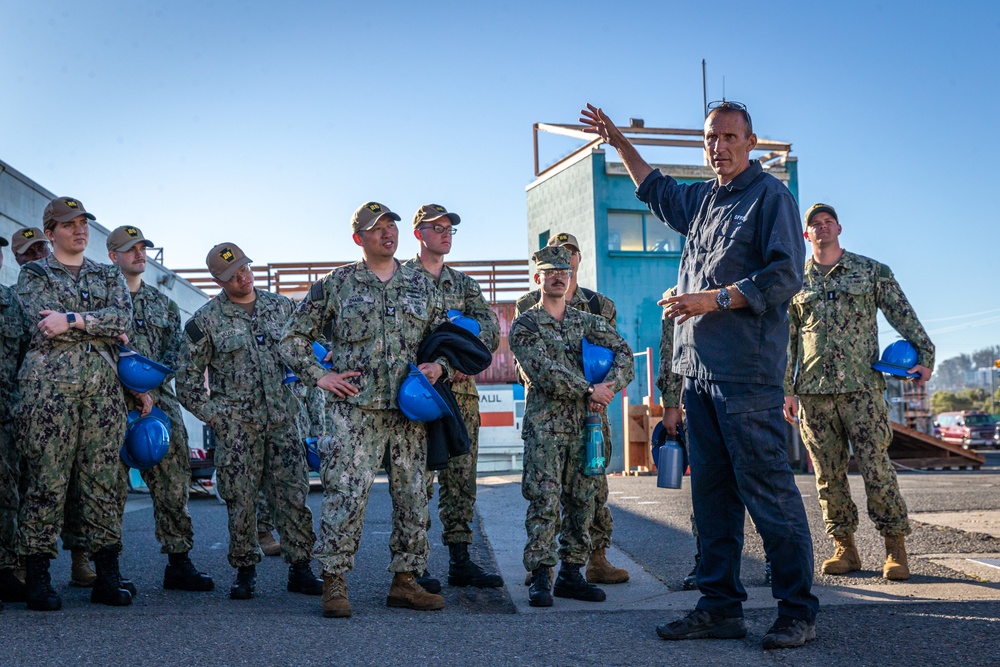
column 969, row 428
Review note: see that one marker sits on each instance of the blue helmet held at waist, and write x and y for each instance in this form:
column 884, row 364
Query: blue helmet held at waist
column 897, row 359
column 140, row 373
column 419, row 400
column 312, row 453
column 321, row 353
column 459, row 319
column 597, row 361
column 147, row 439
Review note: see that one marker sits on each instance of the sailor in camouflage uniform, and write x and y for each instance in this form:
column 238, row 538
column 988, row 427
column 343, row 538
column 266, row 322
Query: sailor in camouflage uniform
column 155, row 332
column 71, row 415
column 841, row 403
column 235, row 337
column 374, row 313
column 547, row 343
column 434, row 227
column 599, row 569
column 13, row 345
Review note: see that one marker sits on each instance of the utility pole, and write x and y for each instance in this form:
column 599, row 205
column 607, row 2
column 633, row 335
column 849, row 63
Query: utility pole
column 993, row 391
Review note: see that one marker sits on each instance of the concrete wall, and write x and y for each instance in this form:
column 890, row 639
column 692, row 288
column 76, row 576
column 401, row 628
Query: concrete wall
column 22, row 202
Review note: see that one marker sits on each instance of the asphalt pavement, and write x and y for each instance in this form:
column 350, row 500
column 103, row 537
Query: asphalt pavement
column 948, row 613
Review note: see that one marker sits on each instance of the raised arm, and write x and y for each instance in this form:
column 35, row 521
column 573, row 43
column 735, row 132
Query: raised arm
column 597, row 122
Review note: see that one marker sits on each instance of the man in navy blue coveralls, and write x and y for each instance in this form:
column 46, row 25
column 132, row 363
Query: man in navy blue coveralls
column 742, row 263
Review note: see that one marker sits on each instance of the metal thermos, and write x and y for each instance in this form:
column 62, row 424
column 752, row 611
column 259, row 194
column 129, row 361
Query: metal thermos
column 593, row 442
column 670, row 466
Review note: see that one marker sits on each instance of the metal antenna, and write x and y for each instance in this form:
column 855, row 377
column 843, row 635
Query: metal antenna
column 723, row 87
column 704, row 89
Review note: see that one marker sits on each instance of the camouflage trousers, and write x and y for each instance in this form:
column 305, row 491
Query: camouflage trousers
column 169, row 484
column 457, row 482
column 66, row 431
column 349, row 458
column 553, row 477
column 10, row 475
column 250, row 458
column 265, row 517
column 829, row 424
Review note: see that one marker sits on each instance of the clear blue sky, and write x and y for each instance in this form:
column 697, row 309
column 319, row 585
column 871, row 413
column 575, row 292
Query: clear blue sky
column 268, row 123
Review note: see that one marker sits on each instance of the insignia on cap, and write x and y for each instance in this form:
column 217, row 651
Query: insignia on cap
column 132, row 231
column 71, row 203
column 27, row 233
column 374, row 208
column 562, row 238
column 227, row 254
column 440, row 209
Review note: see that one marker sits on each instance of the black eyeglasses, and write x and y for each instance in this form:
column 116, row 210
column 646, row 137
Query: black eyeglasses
column 735, row 106
column 441, row 229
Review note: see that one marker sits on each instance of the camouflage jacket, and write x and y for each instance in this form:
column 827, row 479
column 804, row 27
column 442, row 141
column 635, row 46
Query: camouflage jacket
column 155, row 329
column 312, row 409
column 14, row 338
column 669, row 383
column 245, row 371
column 99, row 295
column 833, row 337
column 549, row 353
column 373, row 328
column 463, row 293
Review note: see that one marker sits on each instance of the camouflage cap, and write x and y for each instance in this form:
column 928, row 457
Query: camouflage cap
column 820, row 208
column 224, row 260
column 564, row 239
column 368, row 214
column 63, row 209
column 125, row 237
column 432, row 212
column 25, row 238
column 551, row 257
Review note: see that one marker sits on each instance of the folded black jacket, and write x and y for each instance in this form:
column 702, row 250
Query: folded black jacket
column 448, row 436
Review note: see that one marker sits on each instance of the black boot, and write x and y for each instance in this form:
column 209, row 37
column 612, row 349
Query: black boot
column 571, row 584
column 245, row 583
column 182, row 575
column 462, row 571
column 108, row 585
column 691, row 581
column 39, row 593
column 11, row 588
column 540, row 593
column 429, row 583
column 302, row 580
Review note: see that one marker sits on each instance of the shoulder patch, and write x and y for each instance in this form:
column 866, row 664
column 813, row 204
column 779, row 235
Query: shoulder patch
column 526, row 322
column 884, row 271
column 316, row 292
column 193, row 331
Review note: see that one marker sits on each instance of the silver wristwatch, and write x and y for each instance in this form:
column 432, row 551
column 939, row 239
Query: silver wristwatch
column 723, row 299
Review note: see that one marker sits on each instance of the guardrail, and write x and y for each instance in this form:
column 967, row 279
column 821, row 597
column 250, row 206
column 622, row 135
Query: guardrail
column 501, row 280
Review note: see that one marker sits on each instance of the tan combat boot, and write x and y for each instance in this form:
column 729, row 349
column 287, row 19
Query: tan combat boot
column 527, row 577
column 845, row 556
column 600, row 571
column 406, row 592
column 335, row 602
column 269, row 545
column 81, row 573
column 896, row 565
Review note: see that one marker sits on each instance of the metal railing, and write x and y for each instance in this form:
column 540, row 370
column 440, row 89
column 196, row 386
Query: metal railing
column 501, row 280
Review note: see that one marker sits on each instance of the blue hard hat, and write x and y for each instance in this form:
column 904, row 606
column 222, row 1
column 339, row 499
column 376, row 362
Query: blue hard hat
column 290, row 377
column 459, row 319
column 897, row 359
column 419, row 400
column 597, row 362
column 147, row 439
column 312, row 453
column 139, row 373
column 321, row 353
